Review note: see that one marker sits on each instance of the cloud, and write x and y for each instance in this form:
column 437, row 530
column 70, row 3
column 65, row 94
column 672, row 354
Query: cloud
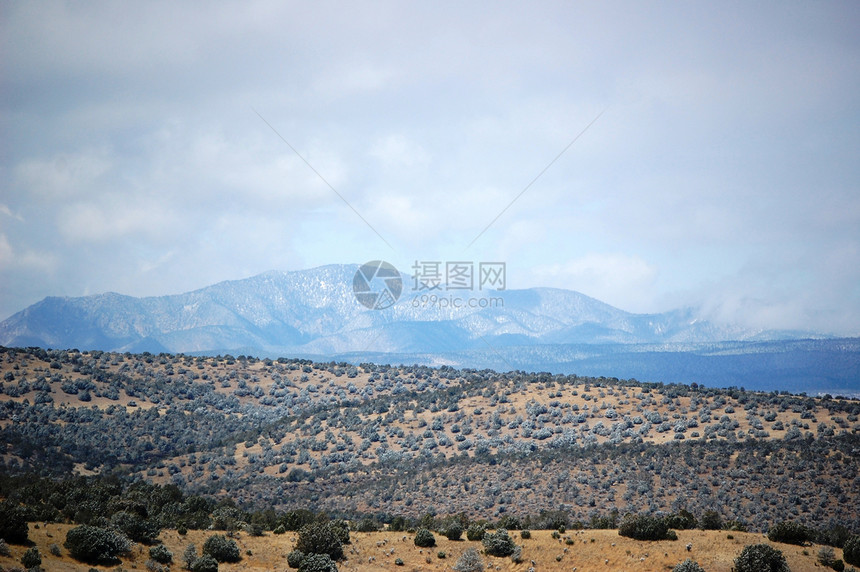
column 621, row 280
column 136, row 162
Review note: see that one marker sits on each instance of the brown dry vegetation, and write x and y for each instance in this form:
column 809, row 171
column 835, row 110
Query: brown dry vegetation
column 591, row 549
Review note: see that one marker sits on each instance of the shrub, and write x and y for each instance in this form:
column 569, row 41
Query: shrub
column 517, row 556
column 204, row 564
column 367, row 525
column 498, row 543
column 13, row 524
column 95, row 545
column 341, row 530
column 279, row 529
column 320, row 538
column 643, row 527
column 424, row 538
column 525, row 533
column 4, row 548
column 470, row 561
column 398, row 562
column 454, row 531
column 838, row 565
column 761, row 558
column 711, row 520
column 135, row 527
column 294, row 558
column 851, row 550
column 221, row 549
column 826, row 556
column 475, row 531
column 317, row 563
column 688, row 565
column 31, row 558
column 161, row 554
column 55, row 550
column 441, row 554
column 189, row 556
column 735, row 525
column 684, row 520
column 788, row 532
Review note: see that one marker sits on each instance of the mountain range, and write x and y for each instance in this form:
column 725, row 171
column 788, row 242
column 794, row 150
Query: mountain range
column 316, row 313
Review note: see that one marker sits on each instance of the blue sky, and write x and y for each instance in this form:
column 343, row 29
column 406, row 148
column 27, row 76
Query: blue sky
column 722, row 171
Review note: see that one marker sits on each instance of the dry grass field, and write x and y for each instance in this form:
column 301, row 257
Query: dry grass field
column 598, row 550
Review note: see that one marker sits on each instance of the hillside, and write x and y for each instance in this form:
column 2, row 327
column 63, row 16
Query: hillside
column 601, row 550
column 383, row 440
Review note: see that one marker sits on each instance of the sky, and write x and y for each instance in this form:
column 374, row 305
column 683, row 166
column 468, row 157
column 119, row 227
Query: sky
column 652, row 155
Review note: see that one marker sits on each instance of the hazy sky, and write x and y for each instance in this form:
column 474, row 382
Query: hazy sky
column 724, row 171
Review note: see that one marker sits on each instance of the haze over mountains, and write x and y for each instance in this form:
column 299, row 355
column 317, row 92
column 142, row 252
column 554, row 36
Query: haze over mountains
column 315, row 313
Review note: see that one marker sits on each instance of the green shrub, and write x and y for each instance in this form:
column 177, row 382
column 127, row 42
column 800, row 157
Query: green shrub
column 525, row 533
column 294, row 558
column 95, row 545
column 221, row 548
column 711, row 520
column 441, row 554
column 826, row 556
column 31, row 558
column 321, row 538
column 398, row 562
column 838, row 565
column 161, row 554
column 643, row 527
column 317, row 563
column 498, row 543
column 683, row 520
column 341, row 530
column 189, row 556
column 204, row 564
column 367, row 525
column 134, row 527
column 424, row 538
column 476, row 531
column 454, row 531
column 13, row 524
column 688, row 565
column 761, row 558
column 470, row 561
column 4, row 548
column 788, row 532
column 279, row 529
column 851, row 551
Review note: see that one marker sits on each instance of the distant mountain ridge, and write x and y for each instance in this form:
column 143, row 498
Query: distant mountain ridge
column 315, row 312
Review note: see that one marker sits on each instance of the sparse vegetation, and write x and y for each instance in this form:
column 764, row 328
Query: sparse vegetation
column 214, row 436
